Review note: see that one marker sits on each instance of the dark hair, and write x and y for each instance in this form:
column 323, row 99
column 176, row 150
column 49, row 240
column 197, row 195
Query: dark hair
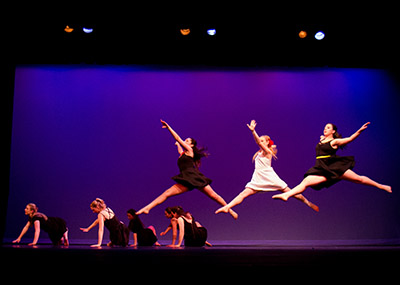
column 168, row 210
column 178, row 210
column 135, row 217
column 336, row 135
column 198, row 153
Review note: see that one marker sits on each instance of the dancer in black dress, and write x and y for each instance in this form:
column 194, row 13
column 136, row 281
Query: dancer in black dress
column 330, row 168
column 119, row 233
column 190, row 231
column 55, row 227
column 189, row 177
column 141, row 236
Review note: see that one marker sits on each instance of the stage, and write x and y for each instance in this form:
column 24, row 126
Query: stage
column 258, row 260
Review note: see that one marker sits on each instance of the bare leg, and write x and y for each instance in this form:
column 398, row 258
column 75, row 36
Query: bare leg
column 65, row 238
column 350, row 175
column 237, row 200
column 310, row 180
column 303, row 199
column 213, row 195
column 174, row 190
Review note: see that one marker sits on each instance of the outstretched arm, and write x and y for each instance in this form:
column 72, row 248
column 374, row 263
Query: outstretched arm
column 23, row 232
column 176, row 136
column 344, row 141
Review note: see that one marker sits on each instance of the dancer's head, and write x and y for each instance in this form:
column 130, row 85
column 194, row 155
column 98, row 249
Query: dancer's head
column 266, row 141
column 331, row 130
column 168, row 212
column 178, row 211
column 31, row 209
column 198, row 152
column 97, row 205
column 131, row 213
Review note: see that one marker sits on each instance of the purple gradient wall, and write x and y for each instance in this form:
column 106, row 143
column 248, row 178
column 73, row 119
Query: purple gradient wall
column 81, row 132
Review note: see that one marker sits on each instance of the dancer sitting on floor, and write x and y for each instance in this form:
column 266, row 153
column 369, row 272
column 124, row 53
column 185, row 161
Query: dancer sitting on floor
column 190, row 231
column 55, row 227
column 141, row 236
column 330, row 168
column 264, row 177
column 190, row 177
column 119, row 233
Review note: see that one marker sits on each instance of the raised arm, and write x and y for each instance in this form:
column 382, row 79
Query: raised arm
column 252, row 128
column 344, row 141
column 176, row 136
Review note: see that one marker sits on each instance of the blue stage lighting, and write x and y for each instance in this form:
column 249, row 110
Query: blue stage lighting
column 319, row 35
column 87, row 30
column 211, row 32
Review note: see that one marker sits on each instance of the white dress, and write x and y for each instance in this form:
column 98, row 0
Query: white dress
column 264, row 177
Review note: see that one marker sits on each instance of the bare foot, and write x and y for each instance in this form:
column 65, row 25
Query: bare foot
column 233, row 214
column 314, row 207
column 387, row 188
column 280, row 196
column 142, row 211
column 223, row 209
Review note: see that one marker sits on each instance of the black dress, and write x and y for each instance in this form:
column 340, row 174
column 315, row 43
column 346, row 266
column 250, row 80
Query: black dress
column 119, row 233
column 194, row 235
column 189, row 175
column 329, row 165
column 145, row 236
column 53, row 226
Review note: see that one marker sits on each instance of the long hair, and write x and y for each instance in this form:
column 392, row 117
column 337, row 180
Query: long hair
column 198, row 153
column 336, row 135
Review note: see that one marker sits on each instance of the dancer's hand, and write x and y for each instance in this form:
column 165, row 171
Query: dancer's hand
column 364, row 127
column 165, row 125
column 252, row 125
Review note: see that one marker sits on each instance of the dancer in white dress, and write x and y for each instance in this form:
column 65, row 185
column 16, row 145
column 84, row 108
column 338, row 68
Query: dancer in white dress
column 264, row 177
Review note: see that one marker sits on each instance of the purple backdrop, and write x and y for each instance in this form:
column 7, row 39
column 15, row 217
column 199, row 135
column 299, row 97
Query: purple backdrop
column 81, row 132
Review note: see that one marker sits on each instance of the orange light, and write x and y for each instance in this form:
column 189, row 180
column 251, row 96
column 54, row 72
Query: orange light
column 302, row 34
column 68, row 29
column 185, row 32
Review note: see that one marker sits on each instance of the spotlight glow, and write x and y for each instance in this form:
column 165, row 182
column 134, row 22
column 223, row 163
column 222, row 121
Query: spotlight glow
column 68, row 29
column 302, row 34
column 87, row 30
column 185, row 32
column 320, row 35
column 211, row 32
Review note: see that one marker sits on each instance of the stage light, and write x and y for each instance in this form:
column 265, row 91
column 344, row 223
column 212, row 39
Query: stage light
column 68, row 29
column 302, row 34
column 185, row 32
column 211, row 32
column 87, row 30
column 320, row 35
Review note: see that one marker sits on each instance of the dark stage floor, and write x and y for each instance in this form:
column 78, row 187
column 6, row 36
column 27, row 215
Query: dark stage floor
column 359, row 261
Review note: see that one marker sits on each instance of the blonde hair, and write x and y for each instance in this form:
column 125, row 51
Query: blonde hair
column 98, row 203
column 33, row 207
column 271, row 146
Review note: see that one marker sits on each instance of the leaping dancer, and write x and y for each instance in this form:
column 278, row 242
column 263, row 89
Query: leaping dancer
column 264, row 177
column 330, row 168
column 189, row 177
